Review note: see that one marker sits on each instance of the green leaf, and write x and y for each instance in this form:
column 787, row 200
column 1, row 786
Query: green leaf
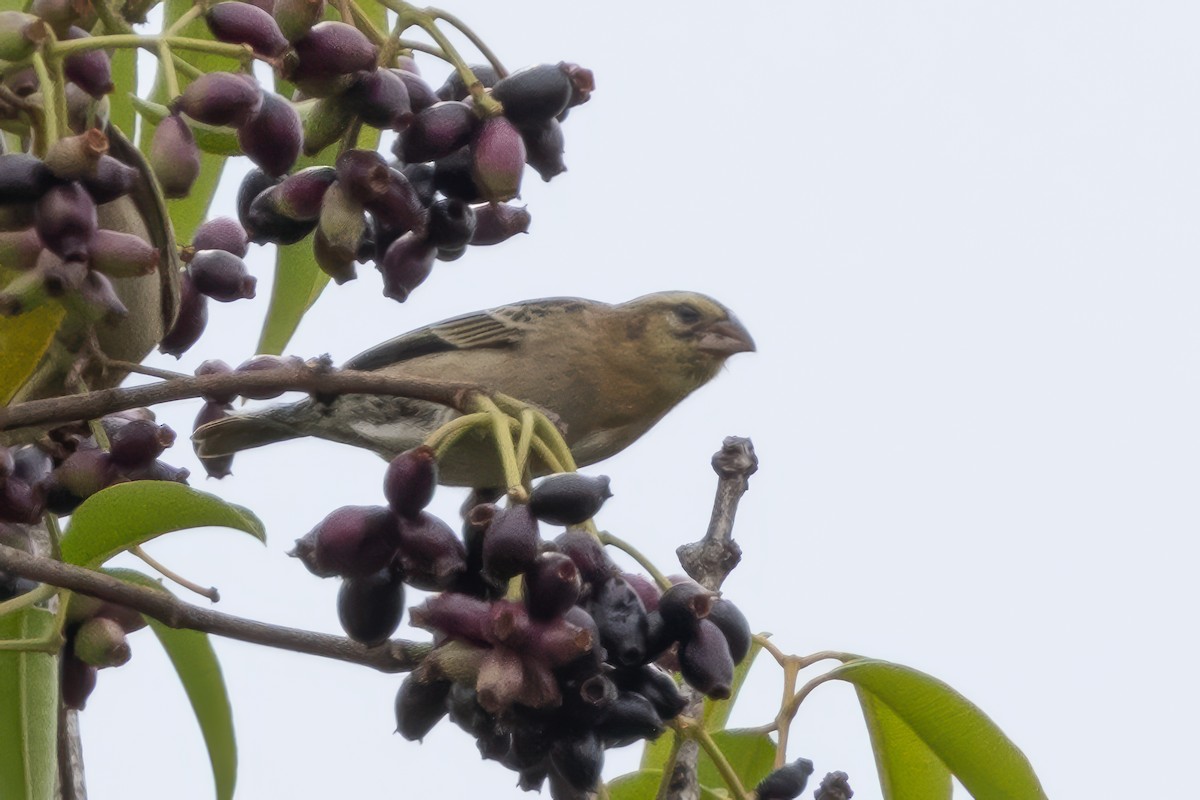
column 750, row 753
column 192, row 655
column 128, row 514
column 23, row 341
column 188, row 212
column 209, row 138
column 28, row 709
column 123, row 62
column 716, row 712
column 643, row 785
column 657, row 751
column 966, row 741
column 908, row 769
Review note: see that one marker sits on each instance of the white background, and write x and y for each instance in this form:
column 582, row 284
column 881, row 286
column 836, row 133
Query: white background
column 964, row 235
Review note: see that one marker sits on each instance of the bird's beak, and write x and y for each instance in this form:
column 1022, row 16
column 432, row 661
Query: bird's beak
column 726, row 338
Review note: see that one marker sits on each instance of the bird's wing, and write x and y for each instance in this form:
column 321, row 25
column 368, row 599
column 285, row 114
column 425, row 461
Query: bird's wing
column 502, row 327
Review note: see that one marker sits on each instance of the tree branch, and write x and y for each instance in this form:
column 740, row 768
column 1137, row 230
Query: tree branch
column 395, row 656
column 709, row 561
column 314, row 377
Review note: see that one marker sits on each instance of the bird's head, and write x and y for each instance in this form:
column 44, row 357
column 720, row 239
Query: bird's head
column 690, row 330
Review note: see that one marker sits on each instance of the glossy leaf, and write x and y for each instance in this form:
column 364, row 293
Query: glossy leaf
column 196, row 664
column 23, row 341
column 966, row 741
column 750, row 753
column 128, row 514
column 188, row 212
column 908, row 769
column 28, row 709
column 716, row 712
column 644, row 783
column 209, row 138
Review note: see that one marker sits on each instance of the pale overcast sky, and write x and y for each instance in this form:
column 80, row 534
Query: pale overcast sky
column 965, row 236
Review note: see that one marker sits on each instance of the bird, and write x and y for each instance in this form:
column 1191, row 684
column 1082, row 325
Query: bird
column 607, row 373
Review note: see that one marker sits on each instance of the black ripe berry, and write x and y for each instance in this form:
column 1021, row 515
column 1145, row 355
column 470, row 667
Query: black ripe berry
column 787, row 782
column 370, row 607
column 569, row 498
column 420, row 704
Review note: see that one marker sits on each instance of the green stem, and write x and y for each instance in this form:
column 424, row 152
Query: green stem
column 38, row 595
column 664, row 785
column 444, row 437
column 51, row 121
column 474, row 38
column 114, row 24
column 525, row 438
column 365, row 24
column 502, row 435
column 51, row 644
column 420, row 47
column 183, row 20
column 168, row 68
column 728, row 774
column 240, row 52
column 607, row 538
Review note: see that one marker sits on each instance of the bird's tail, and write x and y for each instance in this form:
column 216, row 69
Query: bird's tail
column 254, row 429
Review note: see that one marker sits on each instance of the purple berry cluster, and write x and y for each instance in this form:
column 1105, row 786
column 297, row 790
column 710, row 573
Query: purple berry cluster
column 545, row 651
column 54, row 244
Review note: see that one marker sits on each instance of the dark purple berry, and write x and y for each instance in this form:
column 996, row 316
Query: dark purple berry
column 510, row 544
column 214, row 466
column 21, row 501
column 266, row 363
column 65, row 219
column 410, row 480
column 420, row 95
column 405, row 266
column 370, row 607
column 628, row 719
column 23, row 178
column 159, row 471
column 683, row 606
column 222, row 276
column 430, row 552
column 191, row 321
column 139, row 442
column 242, row 23
column 221, row 98
column 544, row 149
column 78, row 682
column 110, row 179
column 498, row 222
column 437, row 132
column 121, row 255
column 552, row 585
column 380, row 98
column 451, row 224
column 785, row 783
column 455, row 89
column 646, row 588
column 298, row 196
column 222, row 233
column 535, row 94
column 328, row 55
column 457, row 616
column 569, row 498
column 89, row 70
column 353, row 541
column 621, row 618
column 398, row 210
column 705, row 662
column 585, row 550
column 420, row 705
column 363, row 174
column 86, row 472
column 656, row 686
column 174, row 157
column 735, row 627
column 273, row 137
column 578, row 760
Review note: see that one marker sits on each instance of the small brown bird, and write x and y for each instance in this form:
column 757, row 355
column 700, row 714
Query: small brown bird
column 609, row 373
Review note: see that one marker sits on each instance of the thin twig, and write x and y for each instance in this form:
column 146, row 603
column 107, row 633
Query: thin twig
column 210, row 593
column 307, row 378
column 397, row 655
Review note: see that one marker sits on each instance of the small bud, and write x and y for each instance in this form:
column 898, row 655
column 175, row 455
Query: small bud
column 73, row 157
column 583, row 83
column 787, row 782
column 498, row 222
column 340, row 230
column 222, row 276
column 274, row 137
column 20, row 35
column 174, row 157
column 101, row 642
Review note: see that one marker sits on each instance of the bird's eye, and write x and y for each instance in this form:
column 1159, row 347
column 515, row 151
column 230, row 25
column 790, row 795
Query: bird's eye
column 687, row 314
